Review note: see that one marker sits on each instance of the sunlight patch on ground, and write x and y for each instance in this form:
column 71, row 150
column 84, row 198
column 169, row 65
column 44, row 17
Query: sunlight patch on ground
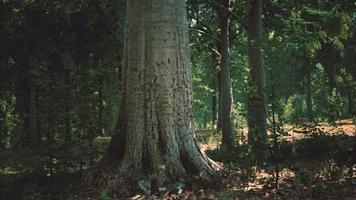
column 9, row 171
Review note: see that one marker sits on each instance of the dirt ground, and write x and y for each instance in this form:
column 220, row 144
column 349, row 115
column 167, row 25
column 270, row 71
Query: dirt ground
column 303, row 180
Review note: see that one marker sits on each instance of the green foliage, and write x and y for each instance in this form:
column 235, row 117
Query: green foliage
column 295, row 108
column 225, row 196
column 104, row 196
column 8, row 118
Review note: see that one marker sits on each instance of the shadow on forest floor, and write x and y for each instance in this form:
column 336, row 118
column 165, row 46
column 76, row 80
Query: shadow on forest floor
column 316, row 166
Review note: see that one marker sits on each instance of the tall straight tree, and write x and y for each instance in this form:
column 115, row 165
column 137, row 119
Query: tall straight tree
column 225, row 121
column 257, row 134
column 155, row 140
column 307, row 72
column 2, row 130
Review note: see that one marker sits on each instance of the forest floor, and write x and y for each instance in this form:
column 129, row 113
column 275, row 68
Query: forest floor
column 316, row 162
column 313, row 162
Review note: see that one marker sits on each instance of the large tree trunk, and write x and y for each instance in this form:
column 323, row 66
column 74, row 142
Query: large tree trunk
column 225, row 80
column 257, row 134
column 155, row 140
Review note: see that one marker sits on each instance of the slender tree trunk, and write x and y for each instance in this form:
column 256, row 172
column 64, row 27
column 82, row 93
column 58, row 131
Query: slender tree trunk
column 34, row 137
column 22, row 96
column 309, row 94
column 213, row 107
column 218, row 126
column 205, row 120
column 225, row 80
column 214, row 94
column 67, row 94
column 62, row 71
column 332, row 87
column 2, row 135
column 156, row 141
column 67, row 108
column 100, row 107
column 351, row 103
column 30, row 132
column 257, row 135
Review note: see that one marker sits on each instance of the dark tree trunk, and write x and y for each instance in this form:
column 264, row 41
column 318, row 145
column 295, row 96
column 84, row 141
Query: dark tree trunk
column 66, row 92
column 100, row 107
column 33, row 134
column 257, row 135
column 62, row 70
column 30, row 137
column 309, row 93
column 67, row 108
column 155, row 142
column 2, row 135
column 213, row 107
column 225, row 80
column 215, row 93
column 351, row 103
column 218, row 126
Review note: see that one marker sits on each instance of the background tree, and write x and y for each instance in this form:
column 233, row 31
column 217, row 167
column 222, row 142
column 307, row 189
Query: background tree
column 257, row 98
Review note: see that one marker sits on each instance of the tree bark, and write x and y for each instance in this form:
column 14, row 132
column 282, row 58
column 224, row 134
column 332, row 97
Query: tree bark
column 309, row 93
column 67, row 108
column 30, row 137
column 213, row 106
column 62, row 71
column 100, row 106
column 351, row 103
column 257, row 135
column 225, row 80
column 2, row 135
column 34, row 137
column 218, row 76
column 215, row 93
column 155, row 140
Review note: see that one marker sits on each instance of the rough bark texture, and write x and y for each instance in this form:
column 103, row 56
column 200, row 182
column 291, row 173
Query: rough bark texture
column 225, row 80
column 257, row 134
column 155, row 140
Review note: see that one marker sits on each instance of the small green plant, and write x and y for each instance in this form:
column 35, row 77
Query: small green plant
column 332, row 170
column 104, row 195
column 305, row 176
